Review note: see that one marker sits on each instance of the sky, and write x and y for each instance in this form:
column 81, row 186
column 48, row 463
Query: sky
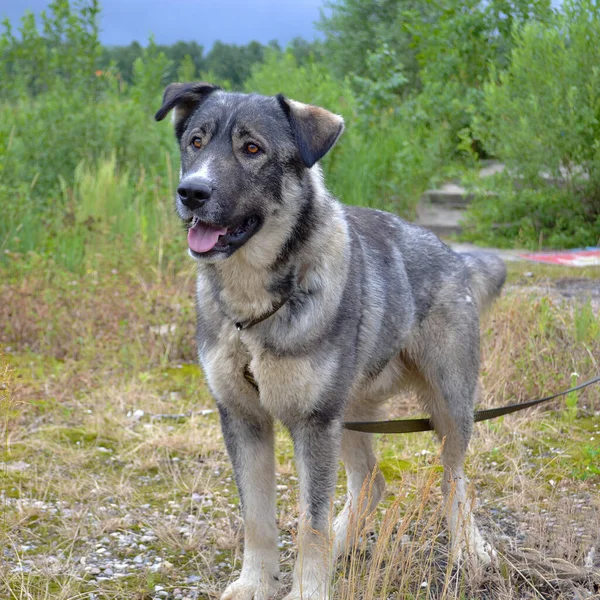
column 203, row 21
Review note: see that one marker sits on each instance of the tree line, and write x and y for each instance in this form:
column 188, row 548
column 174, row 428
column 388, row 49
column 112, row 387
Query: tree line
column 225, row 62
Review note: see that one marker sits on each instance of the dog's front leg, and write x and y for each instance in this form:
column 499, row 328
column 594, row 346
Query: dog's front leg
column 250, row 445
column 317, row 446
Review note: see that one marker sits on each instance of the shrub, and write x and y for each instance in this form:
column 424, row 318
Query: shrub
column 61, row 118
column 543, row 121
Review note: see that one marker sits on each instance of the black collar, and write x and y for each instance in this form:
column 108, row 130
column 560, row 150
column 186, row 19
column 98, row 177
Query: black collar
column 241, row 325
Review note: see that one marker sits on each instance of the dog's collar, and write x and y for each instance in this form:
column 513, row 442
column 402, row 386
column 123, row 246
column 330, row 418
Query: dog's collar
column 241, row 325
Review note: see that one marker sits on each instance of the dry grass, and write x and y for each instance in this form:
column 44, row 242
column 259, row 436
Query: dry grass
column 87, row 479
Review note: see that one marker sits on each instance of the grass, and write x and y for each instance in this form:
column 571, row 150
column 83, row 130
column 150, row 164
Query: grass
column 86, row 475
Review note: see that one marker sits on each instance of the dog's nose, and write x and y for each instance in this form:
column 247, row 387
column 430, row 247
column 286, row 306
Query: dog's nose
column 194, row 194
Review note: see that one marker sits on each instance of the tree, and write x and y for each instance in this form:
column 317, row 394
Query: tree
column 233, row 63
column 355, row 28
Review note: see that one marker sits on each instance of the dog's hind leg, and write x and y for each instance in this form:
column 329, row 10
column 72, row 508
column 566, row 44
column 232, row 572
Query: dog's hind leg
column 250, row 444
column 450, row 400
column 365, row 482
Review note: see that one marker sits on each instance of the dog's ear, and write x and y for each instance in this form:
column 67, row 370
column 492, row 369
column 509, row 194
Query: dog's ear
column 184, row 98
column 316, row 130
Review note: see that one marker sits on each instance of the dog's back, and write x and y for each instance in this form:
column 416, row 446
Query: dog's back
column 395, row 245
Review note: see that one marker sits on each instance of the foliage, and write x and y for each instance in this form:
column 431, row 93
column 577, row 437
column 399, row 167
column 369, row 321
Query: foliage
column 232, row 62
column 224, row 62
column 380, row 88
column 426, row 90
column 66, row 50
column 57, row 123
column 456, row 43
column 355, row 29
column 542, row 119
column 436, row 54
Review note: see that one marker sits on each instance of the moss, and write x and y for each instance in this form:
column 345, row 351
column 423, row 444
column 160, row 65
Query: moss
column 79, row 436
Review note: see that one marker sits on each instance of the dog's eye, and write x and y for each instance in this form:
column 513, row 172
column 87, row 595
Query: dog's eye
column 197, row 143
column 252, row 148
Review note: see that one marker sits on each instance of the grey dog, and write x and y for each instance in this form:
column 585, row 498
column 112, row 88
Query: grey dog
column 312, row 312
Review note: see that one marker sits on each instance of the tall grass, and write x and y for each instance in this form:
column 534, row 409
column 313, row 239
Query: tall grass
column 104, row 211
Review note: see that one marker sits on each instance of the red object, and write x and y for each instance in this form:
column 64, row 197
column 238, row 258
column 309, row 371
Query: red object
column 589, row 257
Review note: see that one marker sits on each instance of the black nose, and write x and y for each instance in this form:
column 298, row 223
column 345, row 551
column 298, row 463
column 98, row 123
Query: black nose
column 194, row 194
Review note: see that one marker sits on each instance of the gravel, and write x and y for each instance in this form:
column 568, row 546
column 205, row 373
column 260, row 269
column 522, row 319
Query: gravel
column 118, row 555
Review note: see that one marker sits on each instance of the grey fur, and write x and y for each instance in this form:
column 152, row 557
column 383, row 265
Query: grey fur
column 378, row 305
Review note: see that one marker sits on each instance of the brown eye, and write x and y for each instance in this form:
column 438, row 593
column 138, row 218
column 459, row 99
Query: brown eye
column 251, row 148
column 197, row 142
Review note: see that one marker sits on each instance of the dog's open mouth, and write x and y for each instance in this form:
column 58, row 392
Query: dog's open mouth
column 204, row 237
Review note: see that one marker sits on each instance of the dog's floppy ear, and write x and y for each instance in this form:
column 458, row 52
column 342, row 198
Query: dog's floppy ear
column 184, row 98
column 316, row 130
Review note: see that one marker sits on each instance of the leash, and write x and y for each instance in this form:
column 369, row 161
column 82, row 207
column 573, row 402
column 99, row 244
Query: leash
column 414, row 425
column 401, row 425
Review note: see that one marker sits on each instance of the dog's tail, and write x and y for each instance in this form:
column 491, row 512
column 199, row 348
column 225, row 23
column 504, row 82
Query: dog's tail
column 488, row 274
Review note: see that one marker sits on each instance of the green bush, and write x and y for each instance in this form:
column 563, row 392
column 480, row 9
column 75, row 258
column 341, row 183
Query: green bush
column 64, row 122
column 543, row 121
column 85, row 170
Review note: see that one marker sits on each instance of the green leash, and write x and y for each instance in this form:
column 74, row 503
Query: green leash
column 413, row 425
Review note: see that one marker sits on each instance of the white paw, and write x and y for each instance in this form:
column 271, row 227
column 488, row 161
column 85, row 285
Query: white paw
column 485, row 553
column 476, row 550
column 340, row 529
column 316, row 595
column 313, row 586
column 250, row 589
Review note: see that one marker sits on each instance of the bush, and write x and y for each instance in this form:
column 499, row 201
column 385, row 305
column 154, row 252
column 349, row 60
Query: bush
column 61, row 119
column 543, row 121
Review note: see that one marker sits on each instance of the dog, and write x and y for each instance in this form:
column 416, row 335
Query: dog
column 312, row 312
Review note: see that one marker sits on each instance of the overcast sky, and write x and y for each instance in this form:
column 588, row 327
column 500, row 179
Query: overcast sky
column 203, row 21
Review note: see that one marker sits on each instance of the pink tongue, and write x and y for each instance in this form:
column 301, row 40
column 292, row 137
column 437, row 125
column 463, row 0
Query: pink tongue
column 202, row 238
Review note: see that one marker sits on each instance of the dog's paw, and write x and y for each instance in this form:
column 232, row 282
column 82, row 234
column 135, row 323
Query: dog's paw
column 250, row 589
column 309, row 588
column 486, row 555
column 482, row 551
column 477, row 551
column 317, row 595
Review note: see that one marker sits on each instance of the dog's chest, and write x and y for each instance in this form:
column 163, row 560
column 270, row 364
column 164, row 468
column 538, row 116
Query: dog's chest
column 239, row 368
column 288, row 386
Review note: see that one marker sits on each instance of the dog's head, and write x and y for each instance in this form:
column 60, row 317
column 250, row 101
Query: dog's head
column 238, row 151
